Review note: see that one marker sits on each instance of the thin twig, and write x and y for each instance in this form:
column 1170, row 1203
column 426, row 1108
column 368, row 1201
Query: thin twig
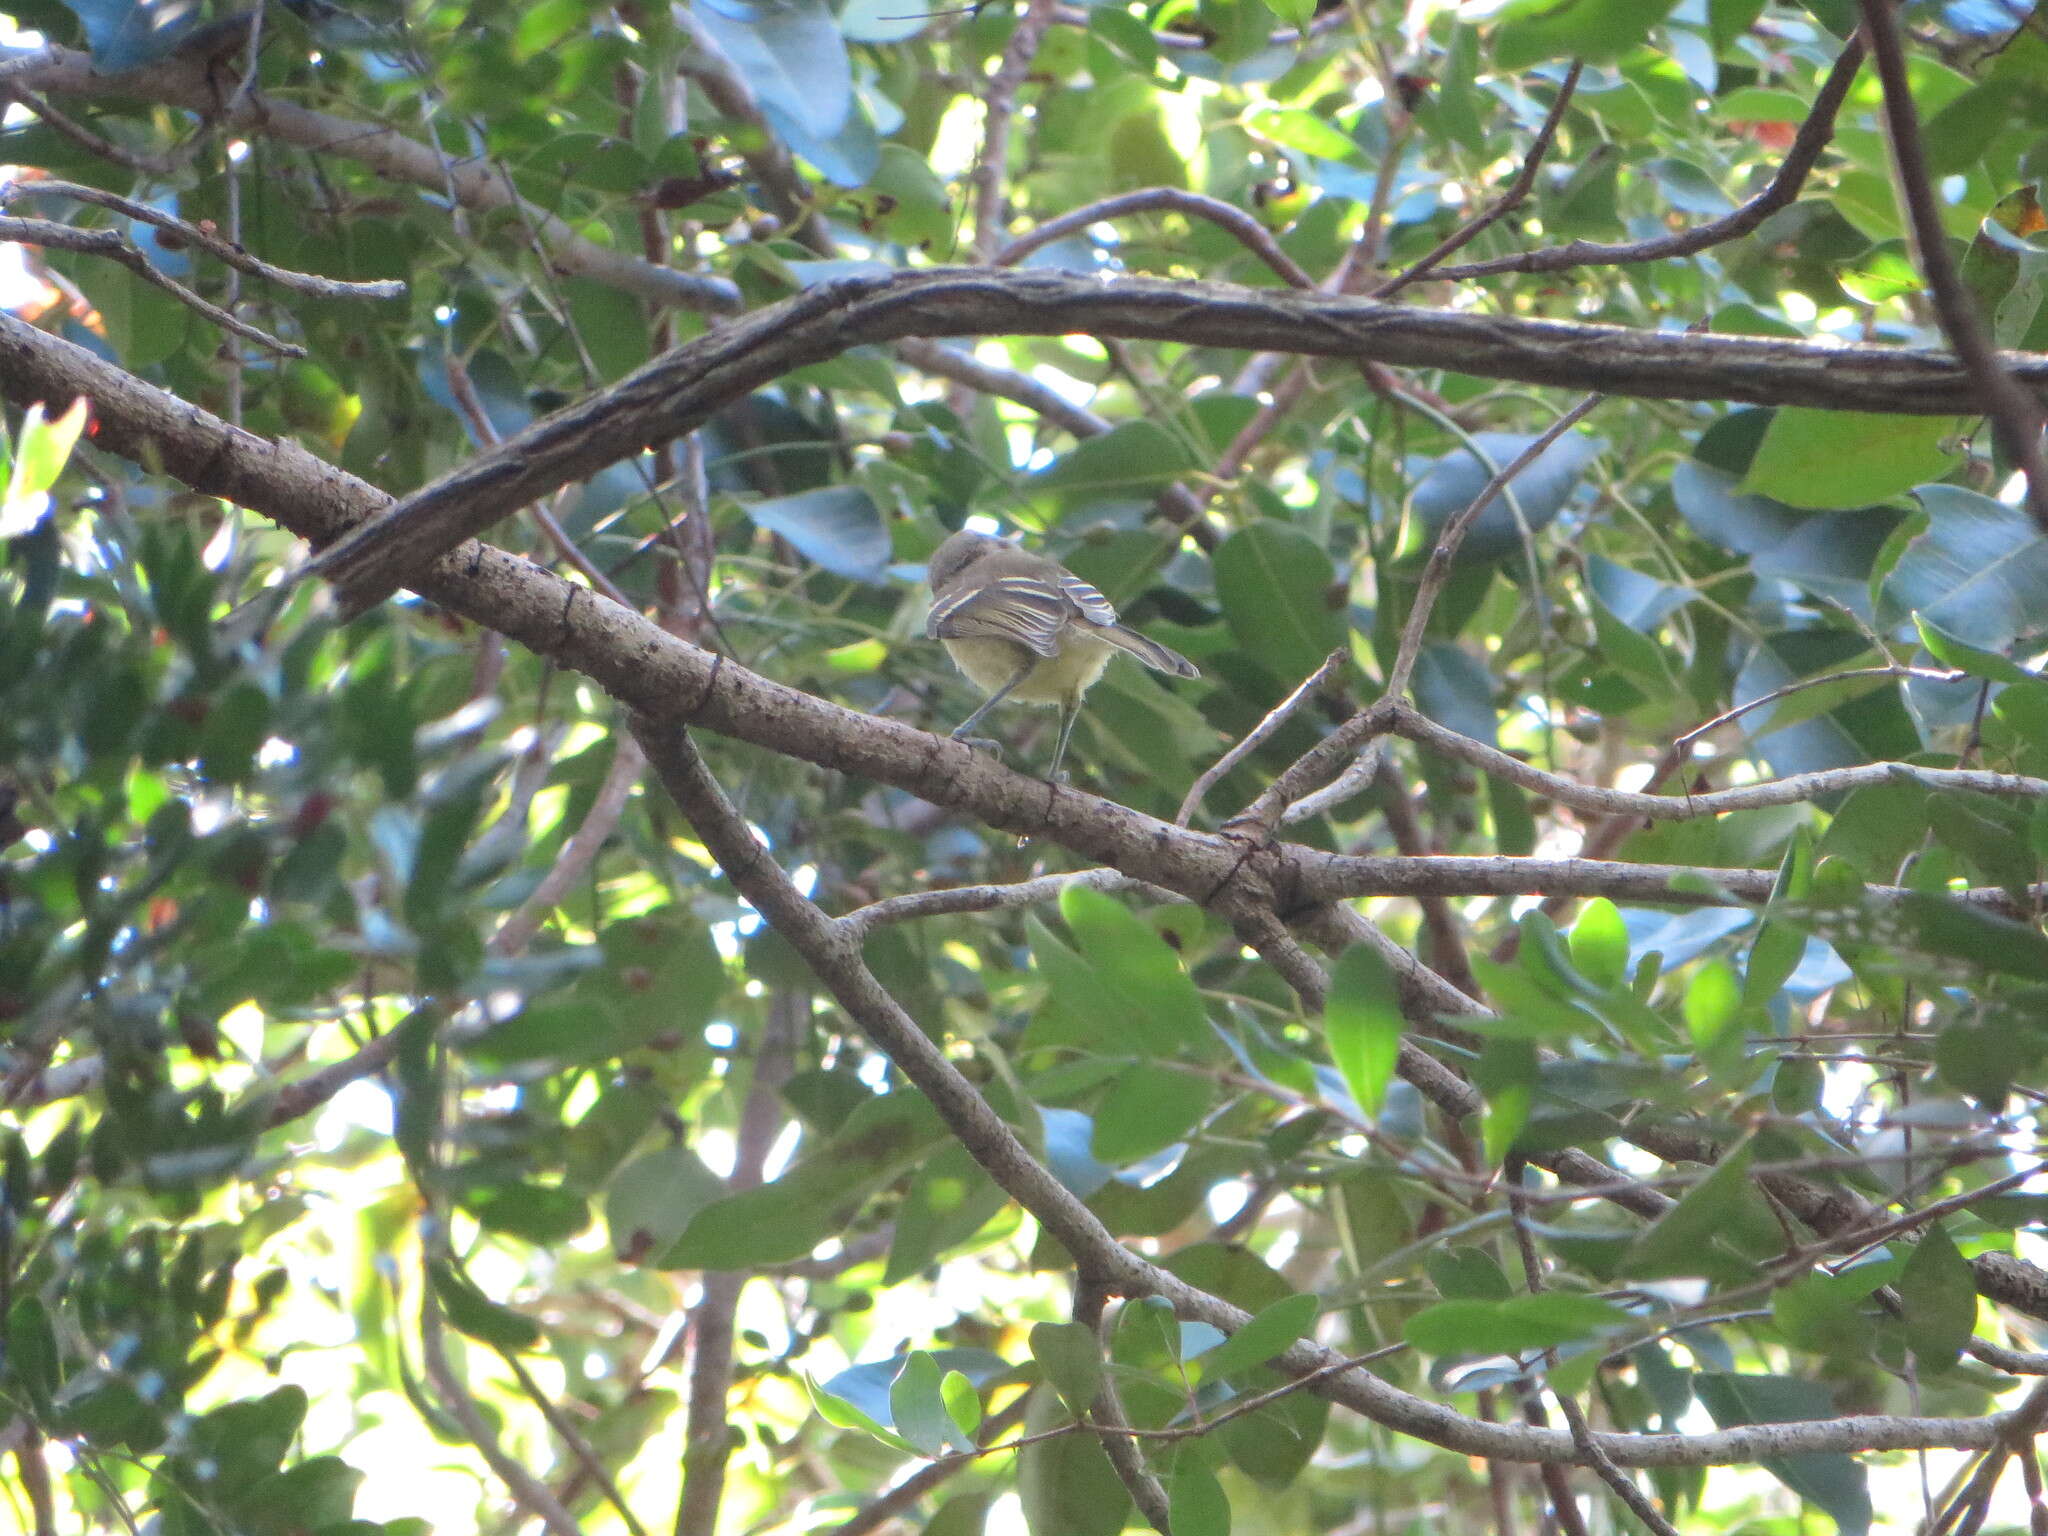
column 1928, row 674
column 1233, row 221
column 225, row 251
column 117, row 248
column 1389, row 716
column 463, row 388
column 834, row 960
column 914, row 905
column 528, row 1491
column 580, row 852
column 902, row 1497
column 1437, row 571
column 1177, row 503
column 999, row 107
column 316, row 1088
column 94, row 143
column 586, row 1454
column 1440, row 926
column 1280, row 798
column 1973, row 1501
column 707, row 1437
column 1259, row 734
column 1811, row 139
column 1517, row 192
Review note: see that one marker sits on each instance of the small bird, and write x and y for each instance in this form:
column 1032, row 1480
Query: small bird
column 1026, row 628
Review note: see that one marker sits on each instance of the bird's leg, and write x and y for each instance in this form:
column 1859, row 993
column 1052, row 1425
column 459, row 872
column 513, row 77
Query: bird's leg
column 1070, row 711
column 960, row 731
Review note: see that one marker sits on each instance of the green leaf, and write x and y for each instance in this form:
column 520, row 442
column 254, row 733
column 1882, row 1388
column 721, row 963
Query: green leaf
column 1154, row 1000
column 127, row 34
column 1976, row 1059
column 964, row 1514
column 1280, row 598
column 1938, row 1297
column 963, row 1406
column 1817, row 459
column 1465, row 1273
column 1729, row 20
column 1308, row 132
column 1506, row 1074
column 1976, row 571
column 1294, row 13
column 1540, row 489
column 1724, row 1207
column 1599, row 943
column 1071, row 1358
column 835, row 527
column 786, row 1219
column 918, row 1409
column 2007, row 273
column 475, row 1314
column 1150, row 1107
column 1825, row 1313
column 793, row 58
column 1958, row 930
column 1140, row 153
column 1148, row 1336
column 1779, row 945
column 1066, row 1484
column 1273, row 1445
column 841, row 1414
column 1196, row 1503
column 1269, row 1332
column 39, row 459
column 1137, row 456
column 1513, row 1326
column 1362, row 1018
column 1713, row 1005
column 32, row 1357
column 1951, row 651
column 1527, row 32
column 542, row 1214
column 1836, row 1483
column 318, row 1494
column 949, row 1200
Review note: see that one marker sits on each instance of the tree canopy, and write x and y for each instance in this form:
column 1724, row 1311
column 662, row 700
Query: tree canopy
column 514, row 1016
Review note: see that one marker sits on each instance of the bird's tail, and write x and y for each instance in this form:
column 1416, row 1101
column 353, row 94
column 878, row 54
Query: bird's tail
column 1158, row 657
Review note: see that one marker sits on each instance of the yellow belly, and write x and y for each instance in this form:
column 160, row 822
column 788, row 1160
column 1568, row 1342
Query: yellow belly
column 1056, row 680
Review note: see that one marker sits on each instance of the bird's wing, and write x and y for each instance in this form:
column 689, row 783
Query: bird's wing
column 1020, row 609
column 1088, row 602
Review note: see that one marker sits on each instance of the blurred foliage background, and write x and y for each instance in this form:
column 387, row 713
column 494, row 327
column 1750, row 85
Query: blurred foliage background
column 407, row 1127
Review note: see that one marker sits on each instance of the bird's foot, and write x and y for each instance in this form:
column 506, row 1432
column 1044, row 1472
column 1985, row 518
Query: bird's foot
column 986, row 744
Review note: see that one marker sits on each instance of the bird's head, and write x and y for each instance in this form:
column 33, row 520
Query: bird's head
column 963, row 550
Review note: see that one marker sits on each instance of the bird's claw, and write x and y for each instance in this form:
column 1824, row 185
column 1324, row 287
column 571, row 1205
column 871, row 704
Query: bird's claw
column 986, row 744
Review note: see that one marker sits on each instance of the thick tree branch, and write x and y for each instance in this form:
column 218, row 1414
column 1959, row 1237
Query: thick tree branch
column 682, row 389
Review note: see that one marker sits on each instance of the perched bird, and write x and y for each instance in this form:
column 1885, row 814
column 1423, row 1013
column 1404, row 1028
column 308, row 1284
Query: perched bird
column 1026, row 628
